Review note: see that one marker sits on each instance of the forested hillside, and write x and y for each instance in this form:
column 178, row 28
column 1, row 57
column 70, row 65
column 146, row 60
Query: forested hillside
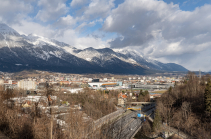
column 187, row 107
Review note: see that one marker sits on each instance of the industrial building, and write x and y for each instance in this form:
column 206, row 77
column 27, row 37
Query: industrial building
column 151, row 86
column 102, row 84
column 96, row 85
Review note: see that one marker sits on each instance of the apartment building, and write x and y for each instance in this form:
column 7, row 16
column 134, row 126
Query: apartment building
column 26, row 84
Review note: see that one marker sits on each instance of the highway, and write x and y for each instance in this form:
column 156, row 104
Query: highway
column 127, row 126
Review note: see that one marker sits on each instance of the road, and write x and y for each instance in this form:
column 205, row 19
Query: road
column 127, row 126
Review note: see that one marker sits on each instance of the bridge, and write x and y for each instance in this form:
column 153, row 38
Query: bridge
column 136, row 108
column 125, row 126
column 140, row 103
column 128, row 124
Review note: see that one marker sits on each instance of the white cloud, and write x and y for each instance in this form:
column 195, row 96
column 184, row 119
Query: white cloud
column 85, row 42
column 71, row 37
column 145, row 23
column 97, row 9
column 144, row 15
column 13, row 11
column 64, row 22
column 83, row 25
column 161, row 30
column 78, row 2
column 68, row 36
column 28, row 27
column 51, row 10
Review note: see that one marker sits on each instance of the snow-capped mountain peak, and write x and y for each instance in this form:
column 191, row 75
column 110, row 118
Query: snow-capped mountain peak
column 38, row 40
column 39, row 52
column 129, row 52
column 6, row 30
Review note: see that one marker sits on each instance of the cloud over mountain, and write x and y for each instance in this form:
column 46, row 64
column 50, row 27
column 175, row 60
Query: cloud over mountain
column 168, row 31
column 161, row 30
column 171, row 31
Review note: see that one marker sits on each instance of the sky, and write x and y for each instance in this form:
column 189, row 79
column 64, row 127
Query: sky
column 171, row 31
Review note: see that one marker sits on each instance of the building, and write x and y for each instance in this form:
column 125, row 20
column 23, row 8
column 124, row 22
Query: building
column 26, row 84
column 102, row 84
column 121, row 102
column 1, row 81
column 10, row 81
column 105, row 85
column 64, row 82
column 105, row 79
column 152, row 96
column 96, row 80
column 122, row 99
column 72, row 90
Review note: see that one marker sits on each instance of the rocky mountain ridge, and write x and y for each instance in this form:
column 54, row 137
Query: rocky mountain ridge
column 21, row 52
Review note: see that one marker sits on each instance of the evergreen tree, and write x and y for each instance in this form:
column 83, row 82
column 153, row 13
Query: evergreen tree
column 107, row 92
column 143, row 95
column 207, row 98
column 141, row 92
column 175, row 84
column 170, row 90
column 157, row 120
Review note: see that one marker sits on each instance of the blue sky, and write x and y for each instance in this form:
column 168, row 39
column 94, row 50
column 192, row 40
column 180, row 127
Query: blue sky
column 175, row 31
column 189, row 5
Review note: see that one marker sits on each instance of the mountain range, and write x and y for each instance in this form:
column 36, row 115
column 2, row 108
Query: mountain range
column 25, row 52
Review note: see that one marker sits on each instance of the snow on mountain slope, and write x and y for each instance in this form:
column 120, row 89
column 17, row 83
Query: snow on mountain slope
column 6, row 30
column 105, row 56
column 33, row 45
column 47, row 53
column 128, row 52
column 40, row 41
column 99, row 56
column 9, row 37
column 88, row 54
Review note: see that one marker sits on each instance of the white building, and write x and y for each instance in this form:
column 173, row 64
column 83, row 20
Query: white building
column 1, row 81
column 105, row 79
column 121, row 101
column 98, row 85
column 75, row 90
column 10, row 81
column 26, row 84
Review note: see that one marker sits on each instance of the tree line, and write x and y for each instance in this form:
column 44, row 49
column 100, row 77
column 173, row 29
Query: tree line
column 16, row 123
column 187, row 107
